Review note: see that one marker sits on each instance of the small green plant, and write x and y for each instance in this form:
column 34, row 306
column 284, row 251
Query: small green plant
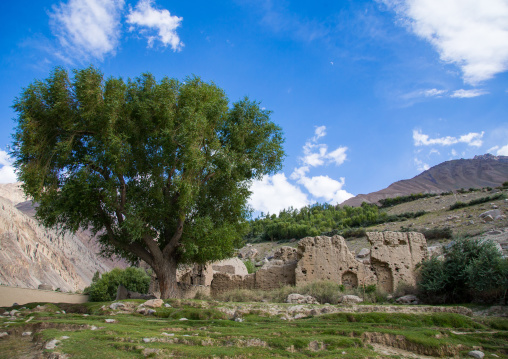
column 250, row 265
column 371, row 288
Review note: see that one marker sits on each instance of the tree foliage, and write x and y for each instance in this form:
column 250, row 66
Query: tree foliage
column 158, row 171
column 320, row 219
column 472, row 270
column 104, row 288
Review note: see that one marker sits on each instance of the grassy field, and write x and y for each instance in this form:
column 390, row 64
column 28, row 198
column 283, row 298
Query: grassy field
column 211, row 331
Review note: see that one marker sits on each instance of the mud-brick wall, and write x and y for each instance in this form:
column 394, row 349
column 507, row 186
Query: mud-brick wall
column 224, row 282
column 275, row 276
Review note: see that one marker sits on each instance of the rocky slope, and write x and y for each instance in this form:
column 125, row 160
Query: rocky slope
column 481, row 171
column 31, row 254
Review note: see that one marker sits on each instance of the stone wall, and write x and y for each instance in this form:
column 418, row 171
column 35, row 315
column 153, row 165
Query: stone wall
column 394, row 256
column 224, row 282
column 329, row 258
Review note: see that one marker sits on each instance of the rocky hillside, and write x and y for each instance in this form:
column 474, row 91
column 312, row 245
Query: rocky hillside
column 31, row 254
column 481, row 171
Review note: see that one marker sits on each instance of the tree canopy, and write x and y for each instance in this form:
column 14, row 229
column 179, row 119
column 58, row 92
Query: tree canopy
column 159, row 171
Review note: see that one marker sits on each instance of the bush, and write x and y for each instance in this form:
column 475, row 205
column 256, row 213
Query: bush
column 251, row 267
column 105, row 287
column 438, row 233
column 473, row 270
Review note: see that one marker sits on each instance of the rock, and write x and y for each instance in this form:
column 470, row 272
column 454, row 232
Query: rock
column 239, row 320
column 52, row 344
column 93, row 327
column 149, row 352
column 124, row 293
column 167, row 305
column 168, row 334
column 14, row 313
column 408, row 299
column 296, row 298
column 3, row 334
column 109, row 320
column 261, row 262
column 150, row 311
column 26, row 334
column 286, row 254
column 248, row 252
column 147, row 340
column 493, row 213
column 231, row 266
column 64, row 337
column 364, row 252
column 45, row 287
column 154, row 303
column 476, row 354
column 116, row 305
column 182, row 319
column 488, row 218
column 350, row 299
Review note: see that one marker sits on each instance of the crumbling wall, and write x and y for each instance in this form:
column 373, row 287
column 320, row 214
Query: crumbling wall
column 329, row 258
column 224, row 282
column 231, row 266
column 394, row 256
column 275, row 275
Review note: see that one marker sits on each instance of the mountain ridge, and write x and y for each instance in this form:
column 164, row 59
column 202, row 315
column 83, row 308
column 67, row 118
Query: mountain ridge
column 481, row 171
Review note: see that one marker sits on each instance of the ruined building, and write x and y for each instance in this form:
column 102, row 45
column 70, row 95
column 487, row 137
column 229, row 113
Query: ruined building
column 391, row 260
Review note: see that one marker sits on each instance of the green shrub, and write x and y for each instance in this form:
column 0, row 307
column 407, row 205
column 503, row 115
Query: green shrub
column 105, row 288
column 438, row 233
column 251, row 267
column 473, row 270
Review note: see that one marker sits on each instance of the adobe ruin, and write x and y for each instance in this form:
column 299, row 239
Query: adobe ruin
column 391, row 261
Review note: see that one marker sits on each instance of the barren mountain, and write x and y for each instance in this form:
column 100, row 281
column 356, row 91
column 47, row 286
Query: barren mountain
column 31, row 254
column 481, row 171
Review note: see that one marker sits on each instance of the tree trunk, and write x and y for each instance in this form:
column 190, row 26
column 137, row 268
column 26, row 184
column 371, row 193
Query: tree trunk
column 166, row 276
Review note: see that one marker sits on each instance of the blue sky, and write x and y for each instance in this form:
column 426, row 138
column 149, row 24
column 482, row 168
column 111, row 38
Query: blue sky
column 367, row 92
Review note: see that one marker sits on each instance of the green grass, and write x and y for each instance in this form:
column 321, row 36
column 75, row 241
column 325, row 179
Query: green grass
column 209, row 333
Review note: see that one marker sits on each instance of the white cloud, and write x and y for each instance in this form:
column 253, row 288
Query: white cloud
column 7, row 174
column 420, row 165
column 432, row 151
column 319, row 132
column 87, row 28
column 326, row 188
column 471, row 139
column 454, row 153
column 473, row 34
column 146, row 16
column 468, row 93
column 274, row 193
column 316, row 154
column 503, row 151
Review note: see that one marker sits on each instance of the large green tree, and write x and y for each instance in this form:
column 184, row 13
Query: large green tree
column 158, row 171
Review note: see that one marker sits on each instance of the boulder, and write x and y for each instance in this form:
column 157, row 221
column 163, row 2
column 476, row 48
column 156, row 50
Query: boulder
column 364, row 252
column 124, row 293
column 154, row 303
column 116, row 305
column 248, row 252
column 493, row 213
column 296, row 298
column 350, row 299
column 476, row 354
column 408, row 299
